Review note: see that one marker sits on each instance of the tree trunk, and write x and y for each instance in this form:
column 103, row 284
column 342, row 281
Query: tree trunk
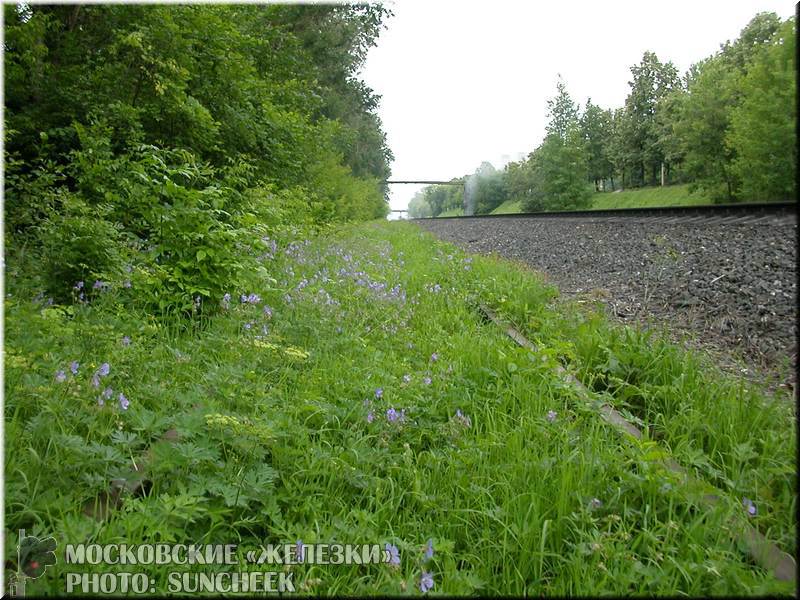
column 612, row 182
column 663, row 174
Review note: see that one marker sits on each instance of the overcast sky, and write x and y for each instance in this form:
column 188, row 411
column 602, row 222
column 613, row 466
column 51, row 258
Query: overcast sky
column 465, row 81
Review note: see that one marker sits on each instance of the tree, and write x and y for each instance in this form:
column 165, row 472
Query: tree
column 762, row 135
column 652, row 80
column 595, row 124
column 558, row 168
column 704, row 114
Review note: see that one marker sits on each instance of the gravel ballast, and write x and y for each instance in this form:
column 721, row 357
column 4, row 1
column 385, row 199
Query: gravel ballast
column 731, row 287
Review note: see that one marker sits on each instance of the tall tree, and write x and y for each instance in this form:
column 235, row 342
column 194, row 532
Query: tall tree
column 595, row 124
column 762, row 136
column 652, row 80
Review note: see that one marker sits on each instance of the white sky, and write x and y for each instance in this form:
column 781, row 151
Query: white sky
column 464, row 81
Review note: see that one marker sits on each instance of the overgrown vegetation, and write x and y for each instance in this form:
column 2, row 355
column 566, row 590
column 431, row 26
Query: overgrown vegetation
column 154, row 146
column 726, row 128
column 359, row 397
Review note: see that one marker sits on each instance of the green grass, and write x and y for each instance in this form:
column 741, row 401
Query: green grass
column 453, row 212
column 285, row 436
column 508, row 207
column 671, row 195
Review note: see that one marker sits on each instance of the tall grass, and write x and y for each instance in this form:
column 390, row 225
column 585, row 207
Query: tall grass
column 378, row 407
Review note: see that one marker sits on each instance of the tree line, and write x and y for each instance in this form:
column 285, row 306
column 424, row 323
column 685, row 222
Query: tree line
column 164, row 134
column 726, row 127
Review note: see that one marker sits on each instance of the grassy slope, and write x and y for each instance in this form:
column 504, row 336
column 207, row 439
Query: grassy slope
column 453, row 212
column 277, row 443
column 672, row 195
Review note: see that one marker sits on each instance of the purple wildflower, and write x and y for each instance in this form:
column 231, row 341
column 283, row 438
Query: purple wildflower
column 300, row 551
column 392, row 555
column 434, row 357
column 751, row 508
column 61, row 377
column 106, row 395
column 379, row 393
column 98, row 285
column 126, row 341
column 126, row 283
column 406, row 378
column 429, row 550
column 392, row 415
column 248, row 325
column 226, row 301
column 427, row 381
column 267, row 312
column 104, row 370
column 426, row 582
column 595, row 503
column 551, row 415
column 96, row 380
column 73, row 366
column 370, row 417
column 79, row 285
column 123, row 401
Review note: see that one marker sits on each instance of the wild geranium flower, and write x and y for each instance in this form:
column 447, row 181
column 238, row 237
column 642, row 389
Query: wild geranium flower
column 254, row 298
column 123, row 401
column 98, row 285
column 106, row 395
column 434, row 357
column 267, row 312
column 78, row 286
column 379, row 393
column 392, row 415
column 427, row 381
column 394, row 554
column 61, row 377
column 370, row 417
column 248, row 325
column 104, row 369
column 751, row 508
column 226, row 301
column 429, row 550
column 425, row 582
column 96, row 380
column 126, row 341
column 551, row 415
column 73, row 366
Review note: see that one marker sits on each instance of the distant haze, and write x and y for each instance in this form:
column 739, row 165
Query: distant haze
column 463, row 82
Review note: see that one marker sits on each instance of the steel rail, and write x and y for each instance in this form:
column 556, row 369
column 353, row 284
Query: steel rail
column 764, row 209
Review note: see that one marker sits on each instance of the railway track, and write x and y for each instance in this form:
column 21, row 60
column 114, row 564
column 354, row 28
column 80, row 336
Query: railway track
column 724, row 274
column 767, row 213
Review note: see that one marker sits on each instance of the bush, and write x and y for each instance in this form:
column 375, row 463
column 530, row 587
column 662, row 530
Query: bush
column 78, row 244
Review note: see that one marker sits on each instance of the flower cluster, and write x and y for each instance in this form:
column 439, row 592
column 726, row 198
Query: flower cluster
column 102, row 371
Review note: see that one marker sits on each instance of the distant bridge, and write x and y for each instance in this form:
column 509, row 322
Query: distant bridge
column 427, row 182
column 467, row 194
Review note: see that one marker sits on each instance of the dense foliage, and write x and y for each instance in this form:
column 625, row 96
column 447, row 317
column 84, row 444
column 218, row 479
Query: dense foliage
column 727, row 127
column 165, row 141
